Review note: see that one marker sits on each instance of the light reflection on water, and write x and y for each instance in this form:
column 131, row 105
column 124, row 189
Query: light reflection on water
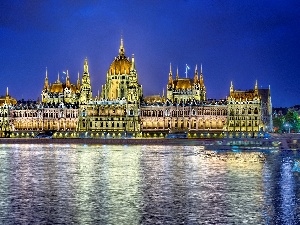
column 81, row 184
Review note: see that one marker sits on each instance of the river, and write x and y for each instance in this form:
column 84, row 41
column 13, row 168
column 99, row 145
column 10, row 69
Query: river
column 155, row 184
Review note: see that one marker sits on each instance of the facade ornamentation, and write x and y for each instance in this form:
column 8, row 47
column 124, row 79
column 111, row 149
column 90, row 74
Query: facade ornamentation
column 122, row 110
column 249, row 111
column 186, row 89
column 60, row 92
column 6, row 104
column 117, row 109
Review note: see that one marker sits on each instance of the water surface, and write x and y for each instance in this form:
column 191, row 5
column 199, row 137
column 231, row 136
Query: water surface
column 81, row 184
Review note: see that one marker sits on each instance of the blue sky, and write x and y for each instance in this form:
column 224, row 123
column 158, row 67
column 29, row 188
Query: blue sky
column 239, row 41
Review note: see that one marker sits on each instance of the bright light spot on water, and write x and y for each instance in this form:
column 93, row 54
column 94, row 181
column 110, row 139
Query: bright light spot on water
column 114, row 184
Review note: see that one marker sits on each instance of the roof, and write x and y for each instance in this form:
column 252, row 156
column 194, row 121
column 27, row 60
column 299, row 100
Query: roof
column 183, row 83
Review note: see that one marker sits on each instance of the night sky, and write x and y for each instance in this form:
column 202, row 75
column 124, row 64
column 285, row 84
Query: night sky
column 239, row 41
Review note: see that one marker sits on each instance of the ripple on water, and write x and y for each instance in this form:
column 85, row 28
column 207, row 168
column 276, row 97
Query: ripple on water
column 82, row 184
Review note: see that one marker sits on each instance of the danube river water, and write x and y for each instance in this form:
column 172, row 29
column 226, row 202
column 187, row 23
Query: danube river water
column 96, row 184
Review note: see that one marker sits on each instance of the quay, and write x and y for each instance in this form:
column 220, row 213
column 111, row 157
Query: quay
column 276, row 141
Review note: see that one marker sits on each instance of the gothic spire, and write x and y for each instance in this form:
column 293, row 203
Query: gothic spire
column 177, row 75
column 170, row 76
column 196, row 74
column 46, row 83
column 68, row 79
column 122, row 49
column 231, row 86
column 132, row 63
column 86, row 66
column 78, row 81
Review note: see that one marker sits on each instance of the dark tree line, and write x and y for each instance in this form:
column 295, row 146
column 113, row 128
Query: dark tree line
column 290, row 122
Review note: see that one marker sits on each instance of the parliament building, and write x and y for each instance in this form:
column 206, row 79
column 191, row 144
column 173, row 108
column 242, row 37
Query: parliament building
column 120, row 109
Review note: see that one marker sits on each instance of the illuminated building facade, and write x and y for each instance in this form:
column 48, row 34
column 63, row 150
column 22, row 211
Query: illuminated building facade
column 120, row 108
column 116, row 110
column 186, row 89
column 59, row 92
column 6, row 104
column 32, row 116
column 249, row 111
column 192, row 117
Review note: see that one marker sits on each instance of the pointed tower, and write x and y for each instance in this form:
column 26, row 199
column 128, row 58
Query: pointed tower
column 256, row 87
column 196, row 75
column 201, row 77
column 132, row 63
column 122, row 49
column 46, row 82
column 85, row 89
column 202, row 86
column 170, row 81
column 177, row 74
column 231, row 88
column 78, row 82
column 58, row 81
column 68, row 83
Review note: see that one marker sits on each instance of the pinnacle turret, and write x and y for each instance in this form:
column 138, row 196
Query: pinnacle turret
column 122, row 49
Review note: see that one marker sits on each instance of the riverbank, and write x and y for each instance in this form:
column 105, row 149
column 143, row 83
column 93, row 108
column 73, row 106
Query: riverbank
column 99, row 141
column 208, row 144
column 277, row 141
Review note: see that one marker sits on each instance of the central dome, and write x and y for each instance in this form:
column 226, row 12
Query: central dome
column 121, row 64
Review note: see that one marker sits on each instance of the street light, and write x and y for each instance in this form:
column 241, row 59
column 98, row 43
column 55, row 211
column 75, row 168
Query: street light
column 288, row 126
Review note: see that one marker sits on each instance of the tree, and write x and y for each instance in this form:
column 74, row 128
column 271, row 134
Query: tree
column 278, row 123
column 292, row 121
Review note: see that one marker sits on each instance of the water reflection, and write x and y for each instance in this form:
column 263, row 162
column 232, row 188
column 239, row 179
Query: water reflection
column 146, row 185
column 287, row 192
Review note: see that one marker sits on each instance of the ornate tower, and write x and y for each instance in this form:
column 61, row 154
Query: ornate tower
column 202, row 86
column 46, row 83
column 122, row 79
column 186, row 89
column 85, row 89
column 244, row 112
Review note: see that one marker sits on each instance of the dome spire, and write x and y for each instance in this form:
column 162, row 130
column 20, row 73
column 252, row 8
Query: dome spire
column 6, row 91
column 122, row 49
column 177, row 75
